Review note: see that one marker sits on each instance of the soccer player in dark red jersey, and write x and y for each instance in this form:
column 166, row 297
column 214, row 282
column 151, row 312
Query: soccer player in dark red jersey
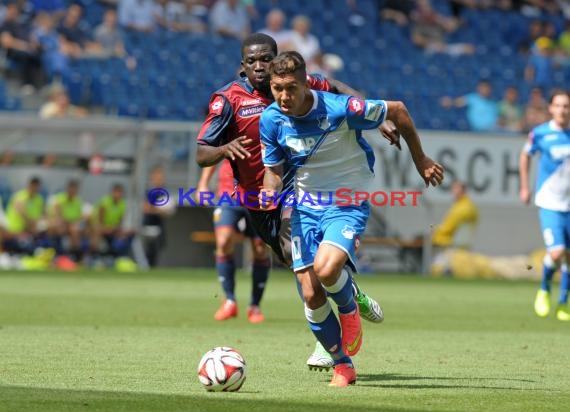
column 231, row 131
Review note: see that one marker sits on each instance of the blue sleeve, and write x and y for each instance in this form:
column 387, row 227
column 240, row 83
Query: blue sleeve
column 214, row 128
column 271, row 151
column 533, row 144
column 365, row 114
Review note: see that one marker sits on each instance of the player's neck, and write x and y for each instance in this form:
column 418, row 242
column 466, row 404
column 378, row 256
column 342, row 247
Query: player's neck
column 560, row 126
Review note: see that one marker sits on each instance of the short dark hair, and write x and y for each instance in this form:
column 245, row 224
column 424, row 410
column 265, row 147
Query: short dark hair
column 558, row 92
column 289, row 62
column 35, row 180
column 118, row 186
column 259, row 38
column 73, row 182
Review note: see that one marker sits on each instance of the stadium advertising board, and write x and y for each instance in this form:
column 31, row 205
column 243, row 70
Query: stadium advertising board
column 488, row 164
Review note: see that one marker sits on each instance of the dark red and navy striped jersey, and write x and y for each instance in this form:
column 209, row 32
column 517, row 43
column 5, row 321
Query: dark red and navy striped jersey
column 234, row 111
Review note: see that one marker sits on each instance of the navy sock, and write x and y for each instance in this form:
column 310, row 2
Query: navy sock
column 226, row 274
column 324, row 325
column 564, row 284
column 342, row 293
column 259, row 277
column 548, row 269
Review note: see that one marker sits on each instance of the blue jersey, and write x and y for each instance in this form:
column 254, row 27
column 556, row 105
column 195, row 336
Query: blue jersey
column 553, row 182
column 324, row 150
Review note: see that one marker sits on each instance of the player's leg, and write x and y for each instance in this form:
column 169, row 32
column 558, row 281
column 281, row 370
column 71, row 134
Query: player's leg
column 563, row 309
column 369, row 308
column 553, row 234
column 225, row 220
column 341, row 229
column 259, row 275
column 325, row 326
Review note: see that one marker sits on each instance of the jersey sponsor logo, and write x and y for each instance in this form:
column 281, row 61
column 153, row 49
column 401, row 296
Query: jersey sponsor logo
column 251, row 111
column 217, row 105
column 348, row 232
column 373, row 111
column 301, row 145
column 250, row 102
column 560, row 152
column 356, row 106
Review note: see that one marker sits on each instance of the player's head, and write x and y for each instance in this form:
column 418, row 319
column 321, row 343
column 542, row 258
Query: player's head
column 257, row 51
column 289, row 82
column 72, row 187
column 559, row 108
column 117, row 191
column 34, row 185
column 484, row 88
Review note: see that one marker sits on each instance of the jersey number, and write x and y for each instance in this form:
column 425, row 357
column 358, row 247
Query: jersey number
column 296, row 247
column 548, row 237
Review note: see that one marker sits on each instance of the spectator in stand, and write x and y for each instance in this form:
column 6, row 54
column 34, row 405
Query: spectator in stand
column 274, row 27
column 306, row 43
column 191, row 19
column 108, row 35
column 75, row 36
column 511, row 117
column 430, row 28
column 482, row 111
column 137, row 15
column 536, row 111
column 55, row 56
column 55, row 8
column 229, row 18
column 539, row 71
column 398, row 11
column 16, row 40
column 58, row 105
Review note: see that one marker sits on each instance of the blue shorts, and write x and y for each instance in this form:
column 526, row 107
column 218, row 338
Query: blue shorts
column 236, row 217
column 340, row 226
column 555, row 229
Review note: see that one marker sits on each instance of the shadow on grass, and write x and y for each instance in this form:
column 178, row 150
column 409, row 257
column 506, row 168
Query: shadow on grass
column 389, row 380
column 18, row 398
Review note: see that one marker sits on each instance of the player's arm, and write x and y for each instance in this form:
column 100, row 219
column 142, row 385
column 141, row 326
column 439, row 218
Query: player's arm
column 429, row 170
column 524, row 170
column 205, row 177
column 211, row 148
column 272, row 185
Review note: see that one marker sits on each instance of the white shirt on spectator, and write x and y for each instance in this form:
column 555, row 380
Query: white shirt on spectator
column 234, row 20
column 138, row 14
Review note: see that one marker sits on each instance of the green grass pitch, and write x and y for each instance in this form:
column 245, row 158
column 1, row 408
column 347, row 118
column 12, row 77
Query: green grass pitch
column 131, row 342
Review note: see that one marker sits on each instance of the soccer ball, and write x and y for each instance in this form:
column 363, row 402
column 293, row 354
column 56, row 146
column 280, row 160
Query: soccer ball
column 222, row 369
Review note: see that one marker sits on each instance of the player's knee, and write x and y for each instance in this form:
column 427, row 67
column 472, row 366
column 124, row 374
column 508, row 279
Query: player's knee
column 557, row 255
column 326, row 269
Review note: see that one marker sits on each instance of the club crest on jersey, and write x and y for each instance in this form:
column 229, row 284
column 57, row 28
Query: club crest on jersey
column 324, row 122
column 348, row 232
column 300, row 145
column 251, row 111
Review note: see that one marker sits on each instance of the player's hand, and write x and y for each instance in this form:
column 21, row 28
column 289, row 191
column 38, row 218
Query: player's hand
column 524, row 195
column 430, row 171
column 390, row 132
column 237, row 148
column 267, row 198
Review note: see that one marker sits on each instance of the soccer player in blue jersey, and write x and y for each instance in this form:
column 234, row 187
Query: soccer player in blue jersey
column 316, row 136
column 552, row 140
